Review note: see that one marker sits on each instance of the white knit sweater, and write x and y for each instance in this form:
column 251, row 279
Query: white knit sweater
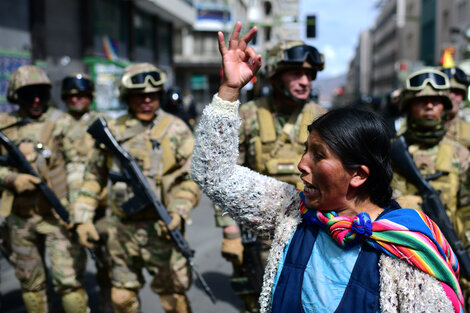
column 271, row 207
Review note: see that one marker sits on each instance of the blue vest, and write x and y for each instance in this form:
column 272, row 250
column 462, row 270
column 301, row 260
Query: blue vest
column 361, row 294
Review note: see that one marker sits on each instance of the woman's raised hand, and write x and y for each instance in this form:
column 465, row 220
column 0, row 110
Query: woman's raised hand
column 240, row 62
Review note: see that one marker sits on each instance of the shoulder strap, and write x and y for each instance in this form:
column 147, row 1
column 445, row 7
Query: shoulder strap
column 161, row 125
column 444, row 157
column 46, row 131
column 267, row 130
column 49, row 125
column 123, row 133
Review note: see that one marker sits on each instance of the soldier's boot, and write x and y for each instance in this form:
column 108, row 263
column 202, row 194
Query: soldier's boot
column 175, row 303
column 35, row 301
column 125, row 300
column 75, row 301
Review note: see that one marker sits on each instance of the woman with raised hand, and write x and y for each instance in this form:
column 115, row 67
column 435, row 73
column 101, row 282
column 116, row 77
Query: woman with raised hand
column 342, row 244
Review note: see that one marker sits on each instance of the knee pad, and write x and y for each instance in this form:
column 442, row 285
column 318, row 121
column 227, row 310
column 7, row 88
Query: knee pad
column 175, row 303
column 35, row 301
column 75, row 301
column 125, row 300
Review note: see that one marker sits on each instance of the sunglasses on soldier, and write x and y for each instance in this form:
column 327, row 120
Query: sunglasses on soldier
column 299, row 54
column 437, row 79
column 458, row 74
column 28, row 94
column 140, row 80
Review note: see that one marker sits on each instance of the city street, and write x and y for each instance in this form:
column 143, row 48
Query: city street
column 202, row 236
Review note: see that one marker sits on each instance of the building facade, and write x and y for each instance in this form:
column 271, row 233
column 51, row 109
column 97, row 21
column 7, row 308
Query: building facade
column 96, row 36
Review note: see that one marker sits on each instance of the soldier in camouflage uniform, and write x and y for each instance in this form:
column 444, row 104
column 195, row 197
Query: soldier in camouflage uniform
column 77, row 92
column 457, row 128
column 271, row 142
column 162, row 144
column 33, row 225
column 442, row 161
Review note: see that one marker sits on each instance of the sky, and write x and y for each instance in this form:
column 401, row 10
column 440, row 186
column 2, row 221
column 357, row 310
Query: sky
column 339, row 24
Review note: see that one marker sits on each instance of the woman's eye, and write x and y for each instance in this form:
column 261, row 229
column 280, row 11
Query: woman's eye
column 318, row 156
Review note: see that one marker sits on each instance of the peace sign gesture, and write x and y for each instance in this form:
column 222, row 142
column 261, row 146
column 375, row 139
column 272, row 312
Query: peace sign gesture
column 240, row 62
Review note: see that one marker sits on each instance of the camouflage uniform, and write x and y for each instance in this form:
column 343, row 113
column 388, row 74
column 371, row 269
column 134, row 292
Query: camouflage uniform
column 163, row 148
column 437, row 156
column 78, row 146
column 459, row 130
column 33, row 225
column 271, row 141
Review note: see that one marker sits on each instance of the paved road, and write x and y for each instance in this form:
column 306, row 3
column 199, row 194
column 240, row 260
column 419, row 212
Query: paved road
column 202, row 236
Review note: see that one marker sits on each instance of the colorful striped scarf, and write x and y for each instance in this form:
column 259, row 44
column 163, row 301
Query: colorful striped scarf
column 405, row 234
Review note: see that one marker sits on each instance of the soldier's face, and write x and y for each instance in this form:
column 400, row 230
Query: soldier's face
column 144, row 105
column 33, row 100
column 298, row 82
column 79, row 102
column 457, row 96
column 427, row 108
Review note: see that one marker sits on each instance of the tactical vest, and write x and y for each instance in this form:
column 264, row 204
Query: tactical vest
column 150, row 145
column 447, row 183
column 82, row 141
column 36, row 141
column 277, row 155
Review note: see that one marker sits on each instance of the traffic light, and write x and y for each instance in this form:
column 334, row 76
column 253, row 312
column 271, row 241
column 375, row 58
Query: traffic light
column 311, row 26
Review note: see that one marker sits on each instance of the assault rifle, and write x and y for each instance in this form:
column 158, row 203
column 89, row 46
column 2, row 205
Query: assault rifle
column 143, row 194
column 432, row 204
column 15, row 158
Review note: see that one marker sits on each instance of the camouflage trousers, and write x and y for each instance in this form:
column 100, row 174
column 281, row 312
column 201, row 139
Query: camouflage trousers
column 243, row 275
column 30, row 238
column 135, row 245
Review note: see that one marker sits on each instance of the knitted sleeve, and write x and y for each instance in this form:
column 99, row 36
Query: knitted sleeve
column 404, row 288
column 250, row 198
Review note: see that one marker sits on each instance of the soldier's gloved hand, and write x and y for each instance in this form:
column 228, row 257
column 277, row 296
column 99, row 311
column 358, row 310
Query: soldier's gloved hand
column 232, row 250
column 175, row 221
column 25, row 182
column 87, row 235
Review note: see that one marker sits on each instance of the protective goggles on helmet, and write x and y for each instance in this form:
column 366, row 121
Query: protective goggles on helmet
column 28, row 94
column 140, row 80
column 78, row 83
column 300, row 53
column 458, row 74
column 418, row 81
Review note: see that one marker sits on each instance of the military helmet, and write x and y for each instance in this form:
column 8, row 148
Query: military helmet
column 77, row 83
column 291, row 54
column 26, row 75
column 427, row 82
column 457, row 77
column 141, row 78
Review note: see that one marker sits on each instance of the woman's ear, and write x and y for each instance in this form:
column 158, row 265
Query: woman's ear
column 359, row 176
